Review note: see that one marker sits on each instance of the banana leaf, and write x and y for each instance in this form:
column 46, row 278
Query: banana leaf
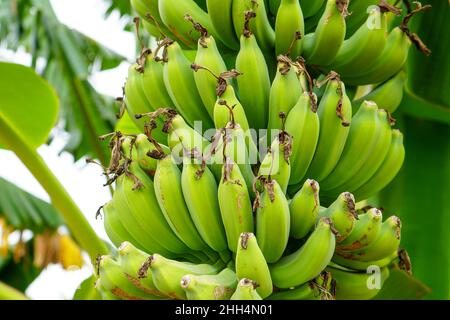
column 23, row 211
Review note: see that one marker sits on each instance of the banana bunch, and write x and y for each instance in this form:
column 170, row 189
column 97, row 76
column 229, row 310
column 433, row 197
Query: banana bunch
column 183, row 232
column 249, row 109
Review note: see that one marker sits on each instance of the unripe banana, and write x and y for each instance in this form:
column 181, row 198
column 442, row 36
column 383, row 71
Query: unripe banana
column 361, row 138
column 105, row 294
column 302, row 123
column 307, row 262
column 115, row 281
column 167, row 274
column 131, row 260
column 220, row 12
column 135, row 100
column 364, row 47
column 167, row 183
column 246, row 290
column 304, row 209
column 350, row 264
column 210, row 287
column 173, row 15
column 335, row 113
column 251, row 264
column 276, row 164
column 322, row 46
column 235, row 204
column 146, row 7
column 272, row 220
column 378, row 154
column 180, row 82
column 343, row 215
column 153, row 84
column 365, row 231
column 317, row 289
column 289, row 28
column 143, row 146
column 254, row 83
column 182, row 138
column 222, row 113
column 388, row 169
column 284, row 92
column 359, row 10
column 200, row 193
column 357, row 286
column 260, row 26
column 388, row 63
column 387, row 95
column 383, row 246
column 208, row 56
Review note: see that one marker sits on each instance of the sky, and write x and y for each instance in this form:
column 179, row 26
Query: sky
column 83, row 182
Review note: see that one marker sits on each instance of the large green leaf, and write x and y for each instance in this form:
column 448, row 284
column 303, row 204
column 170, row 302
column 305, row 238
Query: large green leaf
column 402, row 286
column 24, row 211
column 19, row 87
column 429, row 76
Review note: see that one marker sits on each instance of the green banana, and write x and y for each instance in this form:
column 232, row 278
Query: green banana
column 289, row 29
column 379, row 152
column 304, row 209
column 387, row 95
column 254, row 83
column 180, row 82
column 307, row 262
column 182, row 138
column 208, row 56
column 235, row 204
column 357, row 286
column 143, row 146
column 365, row 231
column 302, row 123
column 322, row 46
column 135, row 100
column 276, row 162
column 335, row 113
column 284, row 92
column 153, row 83
column 317, row 289
column 115, row 281
column 260, row 26
column 210, row 287
column 144, row 8
column 167, row 274
column 343, row 215
column 200, row 193
column 383, row 246
column 272, row 220
column 363, row 265
column 131, row 260
column 246, row 290
column 361, row 139
column 168, row 191
column 141, row 199
column 220, row 12
column 173, row 13
column 222, row 113
column 388, row 169
column 362, row 48
column 359, row 10
column 105, row 294
column 251, row 264
column 387, row 64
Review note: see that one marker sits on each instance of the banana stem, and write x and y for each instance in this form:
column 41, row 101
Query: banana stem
column 72, row 215
column 10, row 293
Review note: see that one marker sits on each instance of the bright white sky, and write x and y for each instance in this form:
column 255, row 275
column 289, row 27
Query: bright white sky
column 84, row 183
